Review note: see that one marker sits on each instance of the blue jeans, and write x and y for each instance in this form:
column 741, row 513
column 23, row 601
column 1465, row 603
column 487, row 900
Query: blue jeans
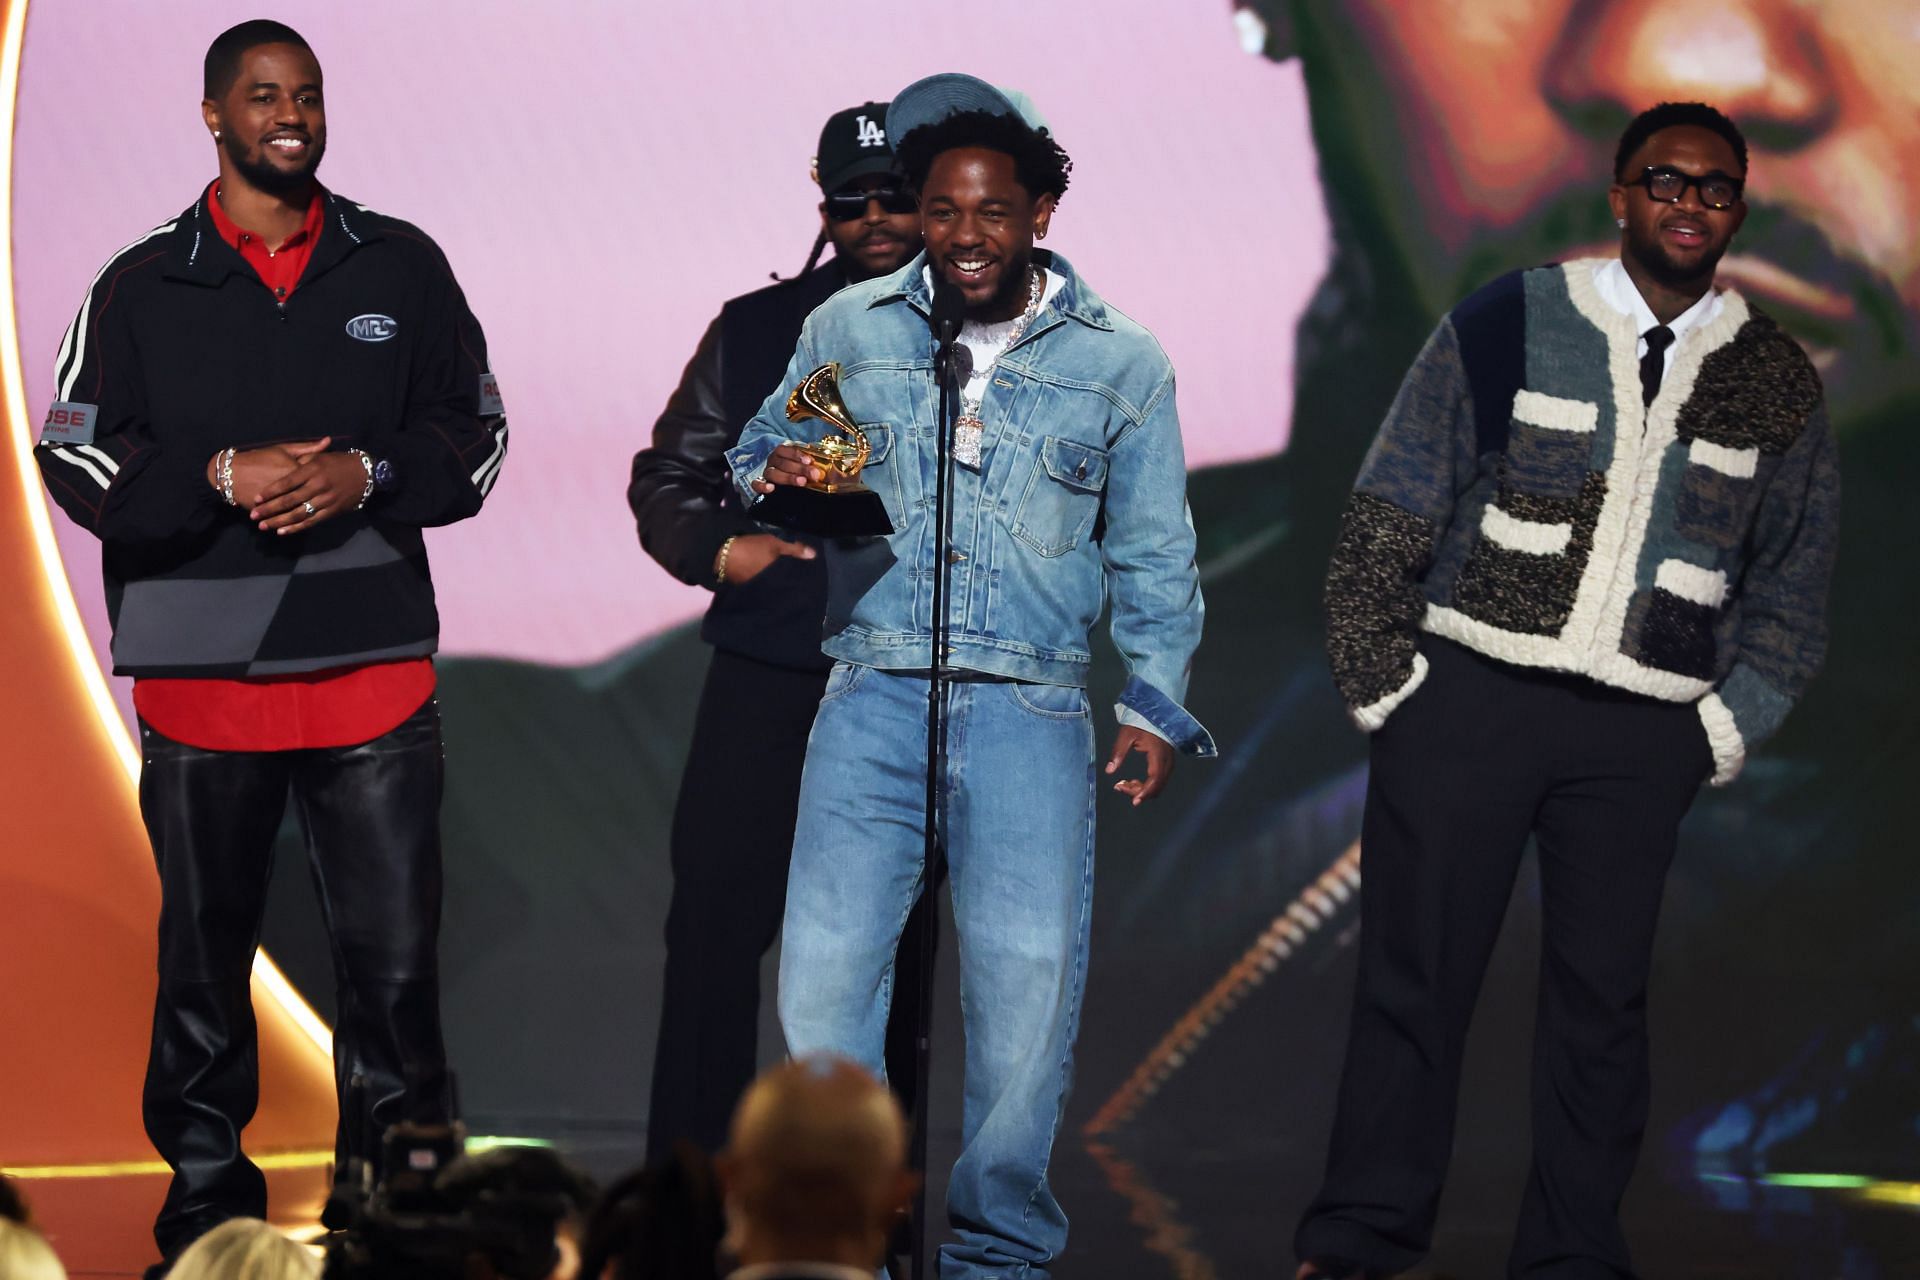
column 1017, row 820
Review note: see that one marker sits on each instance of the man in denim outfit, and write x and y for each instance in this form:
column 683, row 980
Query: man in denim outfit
column 1069, row 490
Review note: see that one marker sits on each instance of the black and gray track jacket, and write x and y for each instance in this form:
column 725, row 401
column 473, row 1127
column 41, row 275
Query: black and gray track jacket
column 180, row 351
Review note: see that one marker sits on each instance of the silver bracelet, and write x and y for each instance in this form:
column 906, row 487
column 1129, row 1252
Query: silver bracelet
column 366, row 462
column 226, row 476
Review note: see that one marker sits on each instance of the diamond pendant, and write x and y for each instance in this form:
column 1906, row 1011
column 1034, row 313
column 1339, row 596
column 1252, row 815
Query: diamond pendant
column 966, row 441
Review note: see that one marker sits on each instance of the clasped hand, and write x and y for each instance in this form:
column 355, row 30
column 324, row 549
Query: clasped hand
column 289, row 488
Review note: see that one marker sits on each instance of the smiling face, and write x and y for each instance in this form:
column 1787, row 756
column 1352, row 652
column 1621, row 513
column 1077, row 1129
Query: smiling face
column 980, row 225
column 1677, row 244
column 272, row 120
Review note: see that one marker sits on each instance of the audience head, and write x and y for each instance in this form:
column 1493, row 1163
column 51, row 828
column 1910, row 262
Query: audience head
column 24, row 1255
column 524, row 1183
column 815, row 1170
column 244, row 1249
column 13, row 1206
column 662, row 1223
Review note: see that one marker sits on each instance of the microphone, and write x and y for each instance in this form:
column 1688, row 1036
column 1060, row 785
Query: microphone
column 952, row 360
column 960, row 363
column 949, row 311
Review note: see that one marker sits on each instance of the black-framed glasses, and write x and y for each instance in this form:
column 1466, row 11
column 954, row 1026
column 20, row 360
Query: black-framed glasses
column 845, row 206
column 1717, row 190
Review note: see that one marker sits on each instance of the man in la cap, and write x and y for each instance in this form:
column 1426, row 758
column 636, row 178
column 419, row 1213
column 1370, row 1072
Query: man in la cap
column 730, row 842
column 1069, row 491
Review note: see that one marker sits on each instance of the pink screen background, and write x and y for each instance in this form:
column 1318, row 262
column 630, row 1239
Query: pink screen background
column 603, row 176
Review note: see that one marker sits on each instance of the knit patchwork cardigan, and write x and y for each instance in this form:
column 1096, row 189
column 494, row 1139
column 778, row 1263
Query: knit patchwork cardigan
column 1520, row 501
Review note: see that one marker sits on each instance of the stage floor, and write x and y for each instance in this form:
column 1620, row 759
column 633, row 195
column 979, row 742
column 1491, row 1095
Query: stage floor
column 1208, row 1060
column 1201, row 1173
column 1157, row 1205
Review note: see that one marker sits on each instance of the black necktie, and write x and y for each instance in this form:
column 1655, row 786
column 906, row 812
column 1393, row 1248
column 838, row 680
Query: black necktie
column 1658, row 339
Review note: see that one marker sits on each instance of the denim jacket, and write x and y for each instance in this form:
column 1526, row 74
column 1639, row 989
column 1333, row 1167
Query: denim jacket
column 1081, row 495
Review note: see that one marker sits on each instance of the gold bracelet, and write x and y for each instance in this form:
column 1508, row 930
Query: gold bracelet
column 720, row 561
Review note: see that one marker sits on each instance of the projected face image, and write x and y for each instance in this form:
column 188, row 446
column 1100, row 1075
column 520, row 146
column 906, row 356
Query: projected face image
column 1498, row 146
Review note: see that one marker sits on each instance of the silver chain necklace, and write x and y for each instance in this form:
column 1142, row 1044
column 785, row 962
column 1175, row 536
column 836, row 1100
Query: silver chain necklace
column 968, row 428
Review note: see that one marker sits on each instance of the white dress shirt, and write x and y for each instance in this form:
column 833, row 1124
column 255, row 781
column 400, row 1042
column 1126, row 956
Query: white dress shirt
column 1618, row 291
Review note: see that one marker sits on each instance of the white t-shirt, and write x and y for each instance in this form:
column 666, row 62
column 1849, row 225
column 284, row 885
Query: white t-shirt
column 1617, row 290
column 986, row 342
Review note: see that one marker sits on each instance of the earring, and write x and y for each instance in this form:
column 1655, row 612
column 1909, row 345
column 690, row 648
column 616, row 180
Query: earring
column 216, row 135
column 1618, row 222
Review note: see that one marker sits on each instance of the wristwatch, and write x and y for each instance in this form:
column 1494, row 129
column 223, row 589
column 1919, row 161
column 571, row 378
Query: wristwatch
column 381, row 476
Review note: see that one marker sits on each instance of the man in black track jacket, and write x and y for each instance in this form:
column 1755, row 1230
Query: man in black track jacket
column 731, row 842
column 258, row 408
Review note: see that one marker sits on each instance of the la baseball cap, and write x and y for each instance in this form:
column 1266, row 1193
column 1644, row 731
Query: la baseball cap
column 852, row 145
column 933, row 99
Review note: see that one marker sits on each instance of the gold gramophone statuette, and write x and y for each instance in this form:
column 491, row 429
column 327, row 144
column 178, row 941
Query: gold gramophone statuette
column 840, row 456
column 841, row 506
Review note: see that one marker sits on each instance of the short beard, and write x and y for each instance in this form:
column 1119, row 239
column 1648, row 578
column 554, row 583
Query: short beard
column 263, row 176
column 1653, row 258
column 1015, row 288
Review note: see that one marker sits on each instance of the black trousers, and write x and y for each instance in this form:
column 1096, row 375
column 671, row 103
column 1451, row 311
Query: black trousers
column 1479, row 758
column 732, row 842
column 372, row 819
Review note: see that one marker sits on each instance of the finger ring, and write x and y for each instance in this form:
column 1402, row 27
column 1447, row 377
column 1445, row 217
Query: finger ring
column 307, row 507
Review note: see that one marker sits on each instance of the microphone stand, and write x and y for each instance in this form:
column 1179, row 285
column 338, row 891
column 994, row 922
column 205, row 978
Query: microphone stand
column 948, row 313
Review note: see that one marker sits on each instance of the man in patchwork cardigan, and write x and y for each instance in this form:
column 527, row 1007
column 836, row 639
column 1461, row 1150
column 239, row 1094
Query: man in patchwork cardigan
column 1584, row 570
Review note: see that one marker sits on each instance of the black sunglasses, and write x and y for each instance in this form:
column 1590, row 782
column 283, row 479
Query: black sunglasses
column 845, row 206
column 1717, row 190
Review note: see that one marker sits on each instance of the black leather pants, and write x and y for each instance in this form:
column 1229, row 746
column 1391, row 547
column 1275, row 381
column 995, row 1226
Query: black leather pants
column 372, row 819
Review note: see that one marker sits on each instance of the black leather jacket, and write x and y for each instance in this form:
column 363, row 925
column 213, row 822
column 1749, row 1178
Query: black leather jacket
column 683, row 497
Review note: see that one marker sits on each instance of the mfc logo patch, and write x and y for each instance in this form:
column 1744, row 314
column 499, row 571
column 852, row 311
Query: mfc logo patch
column 490, row 403
column 69, row 423
column 372, row 328
column 869, row 132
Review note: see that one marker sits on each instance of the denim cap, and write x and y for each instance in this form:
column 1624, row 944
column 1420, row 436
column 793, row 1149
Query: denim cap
column 933, row 99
